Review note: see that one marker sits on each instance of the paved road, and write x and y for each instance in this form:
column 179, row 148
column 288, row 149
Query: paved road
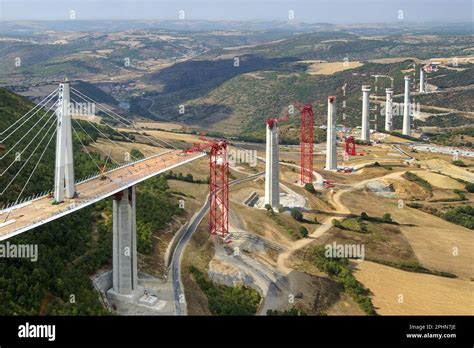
column 180, row 304
column 319, row 177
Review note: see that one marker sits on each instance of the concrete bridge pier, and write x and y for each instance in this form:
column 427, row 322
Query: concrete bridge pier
column 64, row 168
column 125, row 273
column 272, row 176
column 407, row 108
column 331, row 145
column 365, row 129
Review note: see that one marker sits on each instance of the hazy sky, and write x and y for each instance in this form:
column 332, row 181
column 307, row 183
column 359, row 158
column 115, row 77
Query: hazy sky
column 333, row 11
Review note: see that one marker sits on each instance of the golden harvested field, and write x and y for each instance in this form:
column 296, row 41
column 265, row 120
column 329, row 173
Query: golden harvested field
column 431, row 238
column 168, row 136
column 437, row 243
column 198, row 192
column 240, row 192
column 436, row 164
column 440, row 181
column 422, row 155
column 329, row 68
column 392, row 60
column 460, row 60
column 119, row 151
column 199, row 169
column 160, row 125
column 423, row 294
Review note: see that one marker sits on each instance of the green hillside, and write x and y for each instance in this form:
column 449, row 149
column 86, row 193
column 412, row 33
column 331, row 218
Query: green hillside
column 90, row 90
column 336, row 46
column 240, row 105
column 72, row 248
column 12, row 107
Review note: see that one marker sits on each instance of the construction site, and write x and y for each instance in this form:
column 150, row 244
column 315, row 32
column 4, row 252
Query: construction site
column 167, row 167
column 254, row 180
column 261, row 218
column 266, row 212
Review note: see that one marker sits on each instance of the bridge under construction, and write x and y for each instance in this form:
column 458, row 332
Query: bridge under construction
column 70, row 195
column 39, row 211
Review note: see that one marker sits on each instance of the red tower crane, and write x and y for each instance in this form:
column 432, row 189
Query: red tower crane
column 218, row 183
column 219, row 189
column 306, row 144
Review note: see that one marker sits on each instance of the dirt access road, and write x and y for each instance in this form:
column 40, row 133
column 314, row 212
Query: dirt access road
column 335, row 200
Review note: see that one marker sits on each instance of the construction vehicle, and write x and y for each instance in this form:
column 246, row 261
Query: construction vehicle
column 199, row 147
column 328, row 184
column 345, row 170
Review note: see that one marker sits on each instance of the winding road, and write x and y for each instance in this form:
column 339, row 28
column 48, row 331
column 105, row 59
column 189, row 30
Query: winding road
column 175, row 267
column 340, row 208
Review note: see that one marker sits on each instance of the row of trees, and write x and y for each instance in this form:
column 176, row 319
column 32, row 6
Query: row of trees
column 340, row 270
column 188, row 177
column 463, row 215
column 155, row 208
column 226, row 300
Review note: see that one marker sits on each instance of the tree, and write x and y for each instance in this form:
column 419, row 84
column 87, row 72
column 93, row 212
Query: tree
column 269, row 208
column 160, row 183
column 336, row 223
column 469, row 187
column 304, row 231
column 310, row 188
column 386, row 218
column 316, row 220
column 459, row 163
column 296, row 214
column 364, row 216
column 135, row 153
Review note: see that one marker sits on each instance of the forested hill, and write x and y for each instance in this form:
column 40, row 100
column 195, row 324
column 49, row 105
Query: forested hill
column 74, row 247
column 91, row 90
column 37, row 131
column 48, row 285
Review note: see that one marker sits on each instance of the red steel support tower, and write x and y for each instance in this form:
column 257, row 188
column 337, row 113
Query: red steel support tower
column 306, row 144
column 219, row 189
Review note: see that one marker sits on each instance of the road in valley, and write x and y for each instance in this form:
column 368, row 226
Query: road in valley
column 175, row 266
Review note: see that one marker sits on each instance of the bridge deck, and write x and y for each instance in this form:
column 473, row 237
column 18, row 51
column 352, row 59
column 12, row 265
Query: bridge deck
column 40, row 211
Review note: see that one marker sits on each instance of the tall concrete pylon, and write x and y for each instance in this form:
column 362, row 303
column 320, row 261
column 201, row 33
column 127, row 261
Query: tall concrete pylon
column 388, row 109
column 422, row 80
column 64, row 169
column 272, row 176
column 125, row 270
column 406, row 108
column 365, row 131
column 331, row 149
